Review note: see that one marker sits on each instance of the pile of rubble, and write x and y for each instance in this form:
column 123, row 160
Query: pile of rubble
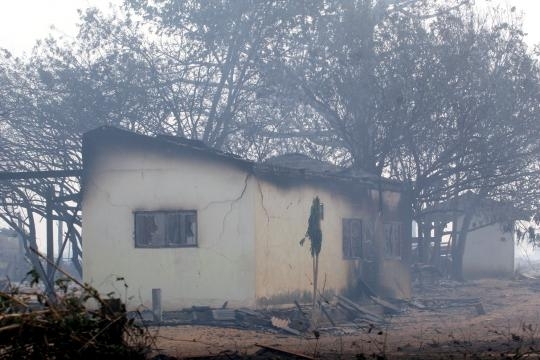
column 334, row 314
column 337, row 316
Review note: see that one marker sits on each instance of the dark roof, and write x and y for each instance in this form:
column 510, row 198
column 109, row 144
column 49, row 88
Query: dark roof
column 301, row 161
column 288, row 165
column 307, row 166
column 114, row 135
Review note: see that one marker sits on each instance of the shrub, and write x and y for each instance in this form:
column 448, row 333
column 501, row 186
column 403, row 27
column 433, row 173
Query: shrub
column 36, row 326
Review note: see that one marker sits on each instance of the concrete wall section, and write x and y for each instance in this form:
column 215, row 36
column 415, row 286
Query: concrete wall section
column 220, row 268
column 284, row 268
column 489, row 252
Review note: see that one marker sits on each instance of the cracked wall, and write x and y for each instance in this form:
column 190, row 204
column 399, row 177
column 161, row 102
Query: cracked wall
column 284, row 268
column 249, row 228
column 127, row 179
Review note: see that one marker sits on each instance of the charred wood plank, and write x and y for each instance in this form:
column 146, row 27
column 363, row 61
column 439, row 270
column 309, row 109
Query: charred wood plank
column 249, row 312
column 325, row 312
column 300, row 309
column 283, row 324
column 224, row 314
column 349, row 311
column 285, row 352
column 388, row 307
column 355, row 315
column 363, row 311
column 366, row 289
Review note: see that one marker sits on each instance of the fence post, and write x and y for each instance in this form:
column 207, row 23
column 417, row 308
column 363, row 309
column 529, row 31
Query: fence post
column 156, row 305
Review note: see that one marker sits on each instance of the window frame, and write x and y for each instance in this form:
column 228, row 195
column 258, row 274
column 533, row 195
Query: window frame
column 164, row 244
column 346, row 240
column 399, row 245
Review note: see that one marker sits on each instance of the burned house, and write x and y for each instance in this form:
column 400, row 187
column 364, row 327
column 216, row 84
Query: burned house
column 207, row 227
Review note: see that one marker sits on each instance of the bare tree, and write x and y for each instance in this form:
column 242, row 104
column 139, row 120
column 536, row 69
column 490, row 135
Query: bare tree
column 424, row 91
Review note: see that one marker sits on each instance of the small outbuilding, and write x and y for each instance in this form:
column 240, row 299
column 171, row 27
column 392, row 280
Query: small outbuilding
column 489, row 247
column 207, row 227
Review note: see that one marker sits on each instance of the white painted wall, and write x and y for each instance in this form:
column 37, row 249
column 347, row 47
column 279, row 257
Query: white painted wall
column 249, row 230
column 489, row 252
column 221, row 268
column 284, row 268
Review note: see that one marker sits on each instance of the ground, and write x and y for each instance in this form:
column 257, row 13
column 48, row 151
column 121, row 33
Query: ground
column 510, row 328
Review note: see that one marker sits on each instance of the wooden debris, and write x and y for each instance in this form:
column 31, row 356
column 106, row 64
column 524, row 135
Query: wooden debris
column 23, row 315
column 222, row 355
column 248, row 312
column 285, row 352
column 300, row 308
column 9, row 328
column 201, row 314
column 362, row 312
column 325, row 312
column 223, row 315
column 283, row 324
column 294, row 321
column 388, row 307
column 446, row 303
column 347, row 309
column 300, row 321
column 366, row 289
column 301, row 312
column 357, row 317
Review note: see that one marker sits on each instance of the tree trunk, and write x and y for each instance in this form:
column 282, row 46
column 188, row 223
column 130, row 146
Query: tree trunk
column 436, row 256
column 422, row 243
column 459, row 249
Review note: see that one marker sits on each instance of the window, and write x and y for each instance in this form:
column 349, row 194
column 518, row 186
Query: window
column 352, row 238
column 156, row 229
column 392, row 240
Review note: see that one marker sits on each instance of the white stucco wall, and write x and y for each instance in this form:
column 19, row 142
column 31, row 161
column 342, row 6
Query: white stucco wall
column 284, row 268
column 221, row 268
column 489, row 252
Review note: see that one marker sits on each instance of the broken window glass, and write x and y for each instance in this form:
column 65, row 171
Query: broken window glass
column 190, row 229
column 165, row 228
column 173, row 234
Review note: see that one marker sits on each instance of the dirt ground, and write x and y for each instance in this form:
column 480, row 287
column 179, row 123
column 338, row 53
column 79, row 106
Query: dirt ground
column 510, row 328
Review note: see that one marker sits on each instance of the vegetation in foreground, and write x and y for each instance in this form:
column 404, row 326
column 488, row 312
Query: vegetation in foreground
column 76, row 324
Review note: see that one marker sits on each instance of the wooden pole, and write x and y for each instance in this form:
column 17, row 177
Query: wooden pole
column 50, row 234
column 60, row 235
column 156, row 305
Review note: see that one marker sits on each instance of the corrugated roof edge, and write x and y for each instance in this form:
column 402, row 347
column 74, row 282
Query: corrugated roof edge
column 372, row 181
